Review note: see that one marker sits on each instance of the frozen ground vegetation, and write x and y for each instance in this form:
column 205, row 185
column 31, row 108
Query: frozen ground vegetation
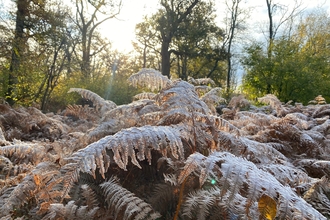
column 170, row 154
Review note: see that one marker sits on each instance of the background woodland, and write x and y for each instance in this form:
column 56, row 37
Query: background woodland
column 50, row 46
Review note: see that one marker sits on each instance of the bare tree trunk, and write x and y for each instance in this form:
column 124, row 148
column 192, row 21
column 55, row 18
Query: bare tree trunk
column 171, row 25
column 18, row 46
column 166, row 55
column 233, row 25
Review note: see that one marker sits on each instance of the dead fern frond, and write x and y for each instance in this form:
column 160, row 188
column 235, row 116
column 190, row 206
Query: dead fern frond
column 80, row 112
column 181, row 95
column 38, row 185
column 144, row 95
column 239, row 102
column 22, row 152
column 319, row 196
column 275, row 103
column 234, row 174
column 202, row 90
column 149, row 78
column 69, row 211
column 201, row 81
column 100, row 104
column 124, row 204
column 213, row 98
column 136, row 143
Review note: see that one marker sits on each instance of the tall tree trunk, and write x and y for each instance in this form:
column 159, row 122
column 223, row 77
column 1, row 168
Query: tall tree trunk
column 18, row 46
column 166, row 62
column 270, row 43
column 233, row 25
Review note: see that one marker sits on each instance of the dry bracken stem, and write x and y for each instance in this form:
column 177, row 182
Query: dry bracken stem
column 178, row 207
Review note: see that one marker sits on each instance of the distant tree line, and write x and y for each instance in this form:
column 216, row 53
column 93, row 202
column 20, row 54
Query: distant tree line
column 48, row 46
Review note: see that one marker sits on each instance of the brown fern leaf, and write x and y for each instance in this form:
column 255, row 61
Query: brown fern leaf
column 144, row 95
column 315, row 168
column 239, row 102
column 319, row 196
column 275, row 103
column 22, row 152
column 37, row 185
column 80, row 112
column 201, row 81
column 136, row 143
column 181, row 95
column 213, row 98
column 69, row 211
column 126, row 205
column 149, row 78
column 101, row 105
column 239, row 180
column 287, row 175
column 202, row 90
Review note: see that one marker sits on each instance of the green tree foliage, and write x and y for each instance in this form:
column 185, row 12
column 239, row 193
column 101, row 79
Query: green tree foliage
column 298, row 69
column 36, row 59
column 195, row 45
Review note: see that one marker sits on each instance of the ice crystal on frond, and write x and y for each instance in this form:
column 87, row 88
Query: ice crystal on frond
column 150, row 79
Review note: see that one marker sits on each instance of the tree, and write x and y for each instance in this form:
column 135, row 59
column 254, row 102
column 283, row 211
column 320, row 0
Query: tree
column 147, row 44
column 299, row 64
column 173, row 14
column 234, row 24
column 197, row 43
column 87, row 13
column 38, row 26
column 286, row 15
column 18, row 47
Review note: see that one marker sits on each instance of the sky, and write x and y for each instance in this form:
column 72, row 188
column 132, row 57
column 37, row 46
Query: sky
column 121, row 31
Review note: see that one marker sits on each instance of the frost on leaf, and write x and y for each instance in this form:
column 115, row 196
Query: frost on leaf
column 134, row 143
column 242, row 184
column 101, row 105
column 149, row 78
column 181, row 95
column 124, row 204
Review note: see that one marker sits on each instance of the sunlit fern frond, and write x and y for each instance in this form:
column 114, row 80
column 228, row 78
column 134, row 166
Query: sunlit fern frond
column 136, row 143
column 315, row 168
column 150, row 79
column 80, row 112
column 319, row 196
column 213, row 98
column 224, row 125
column 239, row 102
column 39, row 185
column 201, row 81
column 101, row 105
column 109, row 127
column 202, row 90
column 275, row 103
column 69, row 211
column 24, row 152
column 298, row 119
column 181, row 95
column 124, row 204
column 144, row 95
column 129, row 112
column 287, row 175
column 258, row 152
column 238, row 178
column 318, row 100
column 3, row 140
